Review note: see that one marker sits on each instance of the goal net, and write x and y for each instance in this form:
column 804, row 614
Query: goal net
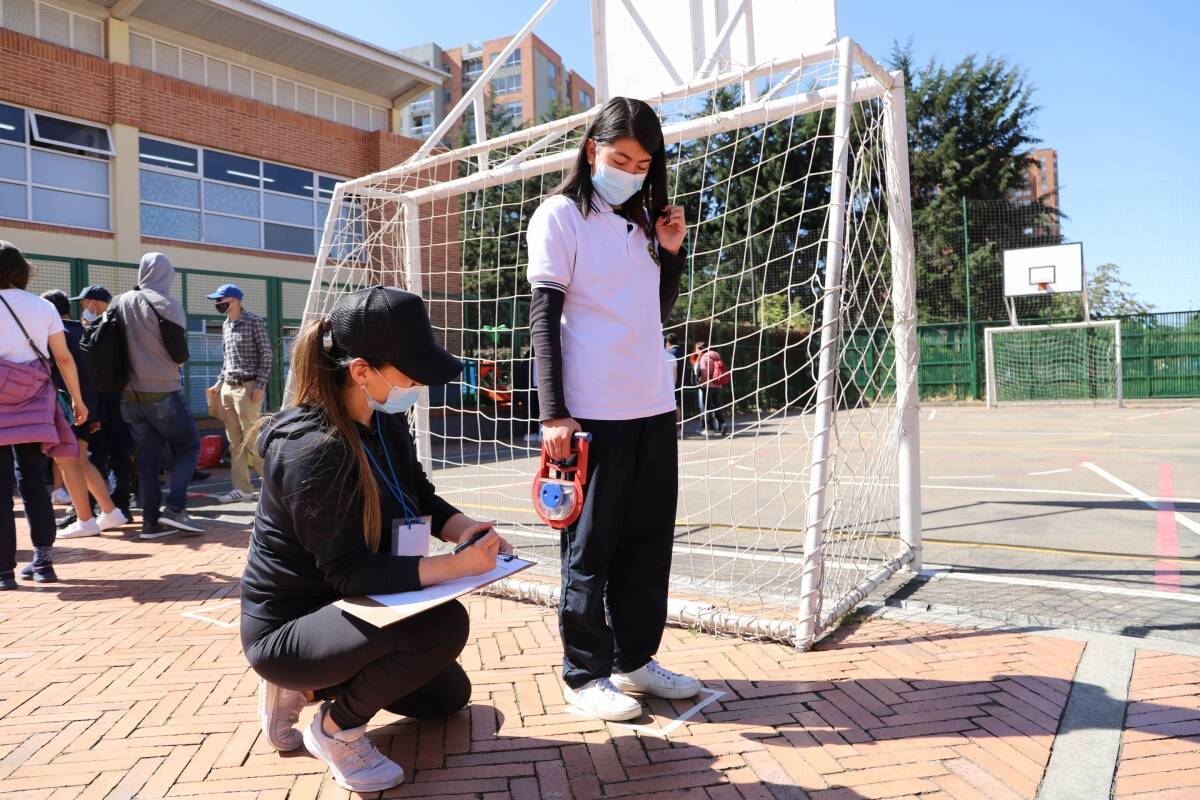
column 1077, row 362
column 793, row 177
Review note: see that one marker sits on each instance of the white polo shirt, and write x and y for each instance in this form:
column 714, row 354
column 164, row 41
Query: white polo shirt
column 611, row 324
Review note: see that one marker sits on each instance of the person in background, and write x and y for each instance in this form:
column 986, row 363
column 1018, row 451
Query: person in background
column 152, row 403
column 710, row 370
column 112, row 445
column 675, row 359
column 690, row 379
column 32, row 424
column 241, row 385
column 82, row 479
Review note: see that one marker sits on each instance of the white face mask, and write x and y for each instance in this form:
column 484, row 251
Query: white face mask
column 398, row 400
column 616, row 185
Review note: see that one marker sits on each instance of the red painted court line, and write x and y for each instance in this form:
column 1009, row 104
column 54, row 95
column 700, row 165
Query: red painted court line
column 1166, row 569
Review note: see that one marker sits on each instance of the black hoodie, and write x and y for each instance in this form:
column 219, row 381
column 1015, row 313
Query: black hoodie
column 307, row 549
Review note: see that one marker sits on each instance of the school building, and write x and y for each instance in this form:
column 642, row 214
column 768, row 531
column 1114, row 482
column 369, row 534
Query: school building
column 211, row 130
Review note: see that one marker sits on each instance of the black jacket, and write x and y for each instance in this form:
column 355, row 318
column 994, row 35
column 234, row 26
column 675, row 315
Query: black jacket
column 307, row 549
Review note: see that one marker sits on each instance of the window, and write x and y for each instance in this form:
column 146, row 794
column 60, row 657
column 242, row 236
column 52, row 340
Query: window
column 201, row 195
column 585, row 99
column 53, row 24
column 421, row 125
column 472, row 67
column 513, row 60
column 53, row 169
column 513, row 111
column 215, row 73
column 506, row 85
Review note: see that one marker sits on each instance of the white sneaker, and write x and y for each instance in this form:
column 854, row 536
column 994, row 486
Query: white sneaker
column 60, row 497
column 80, row 528
column 602, row 700
column 236, row 496
column 657, row 680
column 112, row 519
column 356, row 763
column 279, row 711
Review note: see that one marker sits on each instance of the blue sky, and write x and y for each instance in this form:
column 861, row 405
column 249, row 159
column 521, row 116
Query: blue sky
column 1114, row 81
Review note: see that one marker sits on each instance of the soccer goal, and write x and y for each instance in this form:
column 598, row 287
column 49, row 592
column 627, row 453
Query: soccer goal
column 1073, row 362
column 794, row 177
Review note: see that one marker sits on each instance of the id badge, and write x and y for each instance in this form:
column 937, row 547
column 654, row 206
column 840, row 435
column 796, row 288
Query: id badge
column 410, row 537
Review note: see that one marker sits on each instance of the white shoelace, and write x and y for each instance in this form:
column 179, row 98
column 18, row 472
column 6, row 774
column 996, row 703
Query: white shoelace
column 661, row 671
column 363, row 750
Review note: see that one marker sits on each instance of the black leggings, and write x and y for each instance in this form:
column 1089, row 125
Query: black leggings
column 409, row 668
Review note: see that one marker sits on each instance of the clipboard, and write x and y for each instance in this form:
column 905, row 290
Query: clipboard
column 382, row 610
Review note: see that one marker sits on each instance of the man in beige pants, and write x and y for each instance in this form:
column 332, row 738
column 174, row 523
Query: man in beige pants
column 241, row 385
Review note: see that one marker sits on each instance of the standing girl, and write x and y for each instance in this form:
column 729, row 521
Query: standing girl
column 605, row 265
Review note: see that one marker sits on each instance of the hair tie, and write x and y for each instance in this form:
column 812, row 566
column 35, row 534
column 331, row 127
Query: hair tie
column 327, row 335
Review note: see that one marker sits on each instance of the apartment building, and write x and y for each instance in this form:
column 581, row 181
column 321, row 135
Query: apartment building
column 525, row 89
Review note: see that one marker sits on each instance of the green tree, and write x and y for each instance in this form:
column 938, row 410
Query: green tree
column 970, row 130
column 1109, row 295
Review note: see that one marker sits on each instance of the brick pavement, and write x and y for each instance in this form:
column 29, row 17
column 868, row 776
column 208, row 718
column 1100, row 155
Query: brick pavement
column 126, row 680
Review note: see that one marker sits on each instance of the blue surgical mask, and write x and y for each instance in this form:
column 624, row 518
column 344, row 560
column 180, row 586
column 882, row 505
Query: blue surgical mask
column 616, row 185
column 89, row 316
column 398, row 400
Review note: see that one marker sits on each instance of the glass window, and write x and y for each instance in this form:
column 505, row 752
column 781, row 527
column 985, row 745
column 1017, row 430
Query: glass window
column 513, row 60
column 69, row 172
column 288, row 209
column 232, row 169
column 279, row 178
column 165, row 154
column 162, row 188
column 12, row 123
column 66, row 208
column 513, row 111
column 74, row 135
column 288, row 239
column 230, row 199
column 509, row 83
column 12, row 200
column 325, row 185
column 170, row 223
column 231, row 231
column 12, row 162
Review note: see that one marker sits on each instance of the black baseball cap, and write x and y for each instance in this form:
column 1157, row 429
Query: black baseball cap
column 389, row 325
column 94, row 292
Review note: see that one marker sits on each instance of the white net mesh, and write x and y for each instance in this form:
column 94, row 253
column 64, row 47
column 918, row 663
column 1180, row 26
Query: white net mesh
column 755, row 181
column 1066, row 363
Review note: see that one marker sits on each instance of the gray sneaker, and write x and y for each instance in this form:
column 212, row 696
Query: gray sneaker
column 152, row 531
column 356, row 763
column 179, row 520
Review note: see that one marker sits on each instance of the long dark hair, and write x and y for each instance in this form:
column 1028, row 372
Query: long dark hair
column 14, row 269
column 317, row 380
column 620, row 117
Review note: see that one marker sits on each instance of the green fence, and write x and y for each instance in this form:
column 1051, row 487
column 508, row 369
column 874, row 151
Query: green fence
column 1160, row 358
column 280, row 301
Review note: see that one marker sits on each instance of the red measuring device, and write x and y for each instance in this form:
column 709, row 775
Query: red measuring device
column 559, row 485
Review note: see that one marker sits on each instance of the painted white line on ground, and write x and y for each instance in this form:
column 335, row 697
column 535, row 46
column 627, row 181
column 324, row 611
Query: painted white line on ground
column 1138, row 494
column 933, row 414
column 1160, row 413
column 957, row 477
column 939, row 572
column 1050, row 471
column 712, row 695
column 199, row 613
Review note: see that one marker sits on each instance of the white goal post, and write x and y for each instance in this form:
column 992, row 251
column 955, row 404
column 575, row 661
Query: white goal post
column 1071, row 362
column 800, row 272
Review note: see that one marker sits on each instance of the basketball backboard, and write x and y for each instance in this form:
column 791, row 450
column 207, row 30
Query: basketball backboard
column 1053, row 269
column 646, row 47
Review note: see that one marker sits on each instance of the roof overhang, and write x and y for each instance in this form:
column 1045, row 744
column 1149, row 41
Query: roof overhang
column 275, row 35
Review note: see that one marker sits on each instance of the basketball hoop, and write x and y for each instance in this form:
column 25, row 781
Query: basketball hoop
column 1043, row 286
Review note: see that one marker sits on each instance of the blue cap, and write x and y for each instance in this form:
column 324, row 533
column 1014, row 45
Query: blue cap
column 94, row 292
column 227, row 290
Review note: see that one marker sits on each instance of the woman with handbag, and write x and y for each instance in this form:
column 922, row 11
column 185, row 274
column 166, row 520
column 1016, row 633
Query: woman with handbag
column 33, row 425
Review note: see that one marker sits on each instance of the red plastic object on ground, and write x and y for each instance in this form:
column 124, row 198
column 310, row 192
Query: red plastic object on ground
column 210, row 451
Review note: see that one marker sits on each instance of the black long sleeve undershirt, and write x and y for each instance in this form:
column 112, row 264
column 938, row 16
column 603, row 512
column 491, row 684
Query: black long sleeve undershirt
column 545, row 328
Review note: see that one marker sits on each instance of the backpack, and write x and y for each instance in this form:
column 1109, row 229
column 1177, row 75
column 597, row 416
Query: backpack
column 106, row 351
column 718, row 373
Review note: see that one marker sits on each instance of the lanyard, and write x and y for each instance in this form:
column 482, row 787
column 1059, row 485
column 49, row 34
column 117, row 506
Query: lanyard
column 393, row 485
